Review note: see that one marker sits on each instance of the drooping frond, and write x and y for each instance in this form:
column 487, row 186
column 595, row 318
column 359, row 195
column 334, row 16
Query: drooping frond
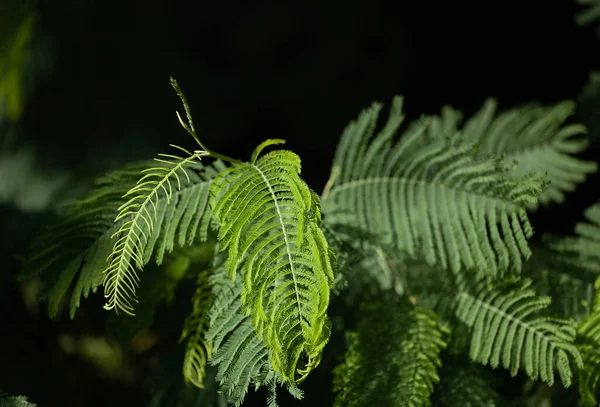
column 533, row 136
column 269, row 223
column 198, row 350
column 242, row 358
column 462, row 386
column 510, row 329
column 156, row 211
column 431, row 198
column 76, row 247
column 392, row 360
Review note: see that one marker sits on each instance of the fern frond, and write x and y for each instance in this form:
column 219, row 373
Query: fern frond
column 270, row 225
column 533, row 136
column 509, row 328
column 242, row 358
column 464, row 387
column 76, row 247
column 433, row 200
column 198, row 350
column 392, row 359
column 79, row 242
column 151, row 218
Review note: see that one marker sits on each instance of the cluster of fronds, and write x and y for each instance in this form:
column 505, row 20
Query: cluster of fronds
column 429, row 231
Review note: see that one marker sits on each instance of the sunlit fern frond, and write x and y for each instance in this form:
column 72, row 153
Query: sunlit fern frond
column 430, row 198
column 269, row 223
column 198, row 350
column 241, row 357
column 464, row 386
column 533, row 136
column 155, row 212
column 392, row 359
column 511, row 329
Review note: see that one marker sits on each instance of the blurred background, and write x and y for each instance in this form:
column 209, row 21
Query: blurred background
column 84, row 88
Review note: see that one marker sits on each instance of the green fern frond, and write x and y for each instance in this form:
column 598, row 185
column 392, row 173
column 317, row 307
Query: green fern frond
column 509, row 328
column 79, row 242
column 242, row 358
column 151, row 218
column 392, row 359
column 270, row 225
column 431, row 199
column 463, row 387
column 78, row 245
column 198, row 350
column 533, row 136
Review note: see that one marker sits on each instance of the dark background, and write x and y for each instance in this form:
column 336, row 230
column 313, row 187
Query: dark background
column 100, row 96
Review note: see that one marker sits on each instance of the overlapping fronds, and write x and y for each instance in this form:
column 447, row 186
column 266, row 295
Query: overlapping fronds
column 533, row 136
column 242, row 358
column 510, row 329
column 392, row 359
column 582, row 255
column 198, row 350
column 77, row 246
column 431, row 198
column 78, row 243
column 168, row 201
column 462, row 386
column 269, row 223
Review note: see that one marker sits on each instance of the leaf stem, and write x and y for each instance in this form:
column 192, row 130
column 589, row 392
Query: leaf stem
column 189, row 127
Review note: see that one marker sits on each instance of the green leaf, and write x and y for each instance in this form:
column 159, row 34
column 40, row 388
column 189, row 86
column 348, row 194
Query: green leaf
column 269, row 223
column 532, row 136
column 152, row 216
column 430, row 198
column 242, row 358
column 509, row 328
